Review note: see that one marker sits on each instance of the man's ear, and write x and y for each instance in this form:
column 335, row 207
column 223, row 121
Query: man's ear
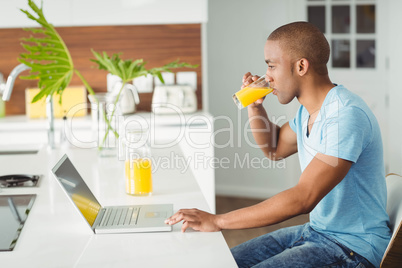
column 302, row 66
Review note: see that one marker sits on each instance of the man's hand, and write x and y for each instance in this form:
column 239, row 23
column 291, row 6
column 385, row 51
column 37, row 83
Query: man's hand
column 248, row 78
column 197, row 219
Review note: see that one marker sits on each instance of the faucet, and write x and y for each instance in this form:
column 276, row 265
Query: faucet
column 7, row 88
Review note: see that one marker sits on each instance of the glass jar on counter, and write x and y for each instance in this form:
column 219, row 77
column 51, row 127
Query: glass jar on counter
column 105, row 113
column 138, row 162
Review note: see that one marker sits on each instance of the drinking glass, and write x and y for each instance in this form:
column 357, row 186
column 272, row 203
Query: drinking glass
column 252, row 92
column 105, row 119
column 138, row 166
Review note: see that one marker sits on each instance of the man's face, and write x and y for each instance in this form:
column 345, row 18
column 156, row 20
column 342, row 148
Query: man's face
column 279, row 72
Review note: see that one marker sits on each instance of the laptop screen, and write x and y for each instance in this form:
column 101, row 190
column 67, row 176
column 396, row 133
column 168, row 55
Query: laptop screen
column 77, row 189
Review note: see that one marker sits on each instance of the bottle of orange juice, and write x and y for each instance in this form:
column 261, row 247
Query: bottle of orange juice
column 138, row 165
column 252, row 92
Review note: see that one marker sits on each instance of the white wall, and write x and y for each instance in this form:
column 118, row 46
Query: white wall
column 395, row 87
column 233, row 44
column 236, row 34
column 105, row 12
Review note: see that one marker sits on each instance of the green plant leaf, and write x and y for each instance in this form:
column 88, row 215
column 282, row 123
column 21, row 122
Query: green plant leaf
column 47, row 55
column 130, row 69
column 49, row 59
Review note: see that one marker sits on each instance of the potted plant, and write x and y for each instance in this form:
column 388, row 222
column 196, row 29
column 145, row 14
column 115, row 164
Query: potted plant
column 52, row 65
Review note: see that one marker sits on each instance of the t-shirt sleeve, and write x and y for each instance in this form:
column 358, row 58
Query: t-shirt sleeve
column 292, row 124
column 346, row 134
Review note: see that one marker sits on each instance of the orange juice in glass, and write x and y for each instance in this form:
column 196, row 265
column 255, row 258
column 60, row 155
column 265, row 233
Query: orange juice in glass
column 138, row 165
column 139, row 176
column 252, row 92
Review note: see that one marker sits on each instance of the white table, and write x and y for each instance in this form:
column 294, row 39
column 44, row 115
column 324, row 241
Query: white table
column 55, row 235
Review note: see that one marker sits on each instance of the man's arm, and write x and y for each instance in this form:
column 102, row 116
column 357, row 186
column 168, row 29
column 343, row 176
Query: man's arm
column 318, row 179
column 276, row 142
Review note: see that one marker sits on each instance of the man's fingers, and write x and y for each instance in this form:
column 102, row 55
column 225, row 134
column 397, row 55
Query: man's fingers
column 196, row 219
column 179, row 216
column 190, row 224
column 260, row 101
column 246, row 76
column 247, row 80
column 183, row 214
column 184, row 226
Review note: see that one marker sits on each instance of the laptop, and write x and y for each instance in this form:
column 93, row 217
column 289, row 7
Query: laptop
column 114, row 219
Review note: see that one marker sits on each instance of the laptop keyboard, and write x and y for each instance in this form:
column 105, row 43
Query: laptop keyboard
column 125, row 216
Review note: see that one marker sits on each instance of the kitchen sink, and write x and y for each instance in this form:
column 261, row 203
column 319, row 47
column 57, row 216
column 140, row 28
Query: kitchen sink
column 20, row 149
column 17, row 152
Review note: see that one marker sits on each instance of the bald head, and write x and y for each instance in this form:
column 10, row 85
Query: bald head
column 304, row 40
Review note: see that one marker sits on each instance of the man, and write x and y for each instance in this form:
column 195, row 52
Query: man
column 342, row 184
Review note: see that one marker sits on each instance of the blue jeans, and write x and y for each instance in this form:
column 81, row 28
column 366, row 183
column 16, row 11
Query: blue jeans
column 298, row 246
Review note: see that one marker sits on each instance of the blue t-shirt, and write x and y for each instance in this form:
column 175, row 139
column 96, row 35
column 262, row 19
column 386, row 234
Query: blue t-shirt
column 354, row 212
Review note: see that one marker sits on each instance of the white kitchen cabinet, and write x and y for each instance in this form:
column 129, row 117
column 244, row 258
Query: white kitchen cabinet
column 103, row 12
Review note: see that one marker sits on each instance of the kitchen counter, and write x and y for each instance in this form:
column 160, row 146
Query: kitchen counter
column 55, row 235
column 22, row 122
column 192, row 132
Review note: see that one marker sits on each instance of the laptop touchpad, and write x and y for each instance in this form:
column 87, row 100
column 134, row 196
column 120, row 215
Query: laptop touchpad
column 156, row 214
